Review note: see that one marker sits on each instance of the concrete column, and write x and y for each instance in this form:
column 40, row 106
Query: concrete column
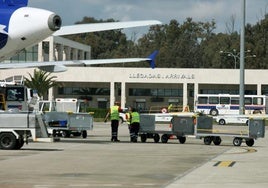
column 40, row 52
column 67, row 53
column 185, row 95
column 64, row 53
column 50, row 94
column 88, row 55
column 123, row 94
column 75, row 54
column 60, row 52
column 196, row 89
column 51, row 49
column 258, row 89
column 56, row 53
column 81, row 54
column 112, row 97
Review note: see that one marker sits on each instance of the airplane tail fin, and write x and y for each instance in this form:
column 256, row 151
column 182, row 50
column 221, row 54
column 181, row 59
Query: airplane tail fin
column 152, row 58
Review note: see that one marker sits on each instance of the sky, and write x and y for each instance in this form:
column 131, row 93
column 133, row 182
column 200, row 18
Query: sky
column 220, row 11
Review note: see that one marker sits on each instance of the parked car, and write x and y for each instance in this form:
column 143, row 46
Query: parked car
column 222, row 120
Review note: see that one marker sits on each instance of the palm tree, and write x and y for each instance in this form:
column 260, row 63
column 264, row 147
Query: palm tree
column 40, row 81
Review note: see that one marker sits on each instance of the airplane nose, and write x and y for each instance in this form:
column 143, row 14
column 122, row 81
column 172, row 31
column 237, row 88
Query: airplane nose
column 54, row 22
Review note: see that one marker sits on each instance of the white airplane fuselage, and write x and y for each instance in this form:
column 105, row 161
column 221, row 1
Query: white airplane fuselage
column 27, row 26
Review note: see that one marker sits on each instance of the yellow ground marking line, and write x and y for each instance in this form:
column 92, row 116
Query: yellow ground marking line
column 224, row 164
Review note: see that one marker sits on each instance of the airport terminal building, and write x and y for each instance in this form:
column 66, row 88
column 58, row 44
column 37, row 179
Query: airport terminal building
column 138, row 87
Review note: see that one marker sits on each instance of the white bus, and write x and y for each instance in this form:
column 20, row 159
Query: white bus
column 221, row 104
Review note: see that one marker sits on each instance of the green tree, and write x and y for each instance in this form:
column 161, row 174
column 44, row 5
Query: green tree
column 189, row 44
column 40, row 81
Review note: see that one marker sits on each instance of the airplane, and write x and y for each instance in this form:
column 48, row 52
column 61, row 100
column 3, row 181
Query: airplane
column 22, row 26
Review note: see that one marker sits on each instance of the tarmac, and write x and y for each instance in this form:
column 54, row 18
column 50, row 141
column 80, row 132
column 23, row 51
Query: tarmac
column 96, row 162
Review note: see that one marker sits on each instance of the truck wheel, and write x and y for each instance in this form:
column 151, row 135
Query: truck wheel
column 84, row 134
column 222, row 122
column 217, row 140
column 8, row 141
column 250, row 142
column 237, row 141
column 143, row 137
column 182, row 139
column 164, row 138
column 156, row 138
column 207, row 140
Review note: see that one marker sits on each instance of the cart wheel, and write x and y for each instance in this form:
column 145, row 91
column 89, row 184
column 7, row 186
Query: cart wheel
column 84, row 134
column 156, row 138
column 182, row 139
column 217, row 140
column 54, row 133
column 250, row 142
column 207, row 140
column 237, row 141
column 164, row 138
column 143, row 137
column 65, row 134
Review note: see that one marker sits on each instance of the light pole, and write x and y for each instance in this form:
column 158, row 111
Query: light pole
column 236, row 55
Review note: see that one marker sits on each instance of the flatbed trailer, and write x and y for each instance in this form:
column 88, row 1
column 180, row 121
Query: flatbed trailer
column 66, row 124
column 66, row 116
column 150, row 128
column 17, row 128
column 201, row 127
column 254, row 129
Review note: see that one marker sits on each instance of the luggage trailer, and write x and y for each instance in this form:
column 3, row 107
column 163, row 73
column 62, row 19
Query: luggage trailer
column 66, row 124
column 201, row 127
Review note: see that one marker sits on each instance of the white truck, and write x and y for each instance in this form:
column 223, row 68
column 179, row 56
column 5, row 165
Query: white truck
column 18, row 121
column 17, row 127
column 66, row 117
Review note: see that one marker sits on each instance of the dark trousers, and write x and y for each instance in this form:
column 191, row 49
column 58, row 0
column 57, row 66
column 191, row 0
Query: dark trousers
column 134, row 130
column 114, row 128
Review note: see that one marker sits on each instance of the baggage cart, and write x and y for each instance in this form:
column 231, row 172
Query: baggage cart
column 212, row 133
column 66, row 124
column 150, row 128
column 202, row 127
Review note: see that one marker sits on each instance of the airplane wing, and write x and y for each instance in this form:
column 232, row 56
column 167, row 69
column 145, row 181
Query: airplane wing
column 85, row 28
column 60, row 66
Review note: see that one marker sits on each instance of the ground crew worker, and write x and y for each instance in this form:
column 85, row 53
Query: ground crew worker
column 134, row 125
column 114, row 116
column 170, row 107
column 128, row 117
